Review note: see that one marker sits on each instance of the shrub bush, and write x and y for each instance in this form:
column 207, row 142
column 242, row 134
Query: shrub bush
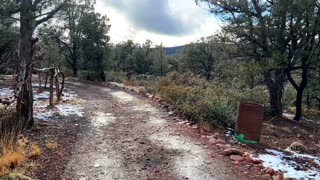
column 208, row 101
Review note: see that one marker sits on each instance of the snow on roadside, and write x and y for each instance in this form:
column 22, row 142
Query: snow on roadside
column 282, row 162
column 43, row 95
column 67, row 110
column 5, row 92
column 68, row 106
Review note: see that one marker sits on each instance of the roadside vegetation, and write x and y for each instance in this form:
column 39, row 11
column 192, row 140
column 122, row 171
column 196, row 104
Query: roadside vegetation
column 267, row 53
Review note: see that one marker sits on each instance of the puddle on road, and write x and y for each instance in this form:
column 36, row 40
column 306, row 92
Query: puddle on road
column 103, row 119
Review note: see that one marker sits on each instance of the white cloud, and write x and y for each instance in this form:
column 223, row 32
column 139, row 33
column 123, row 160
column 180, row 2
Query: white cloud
column 180, row 21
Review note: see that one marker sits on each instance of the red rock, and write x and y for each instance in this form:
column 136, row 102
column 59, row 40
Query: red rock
column 222, row 146
column 230, row 151
column 249, row 159
column 236, row 158
column 236, row 162
column 265, row 177
column 270, row 171
column 259, row 166
column 257, row 161
column 280, row 176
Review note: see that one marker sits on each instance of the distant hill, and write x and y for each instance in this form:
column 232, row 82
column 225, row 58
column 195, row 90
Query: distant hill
column 173, row 50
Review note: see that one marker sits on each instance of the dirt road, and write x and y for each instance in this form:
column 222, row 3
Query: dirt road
column 129, row 138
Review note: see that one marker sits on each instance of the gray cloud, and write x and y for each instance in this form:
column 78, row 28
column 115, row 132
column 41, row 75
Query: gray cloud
column 151, row 15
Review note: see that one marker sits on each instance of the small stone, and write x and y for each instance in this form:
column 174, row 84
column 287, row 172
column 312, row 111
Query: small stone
column 212, row 140
column 311, row 136
column 257, row 161
column 249, row 159
column 96, row 165
column 195, row 126
column 236, row 162
column 265, row 177
column 298, row 147
column 208, row 162
column 230, row 151
column 236, row 158
column 270, row 171
column 220, row 141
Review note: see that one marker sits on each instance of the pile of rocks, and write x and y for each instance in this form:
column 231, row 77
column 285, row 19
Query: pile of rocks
column 240, row 157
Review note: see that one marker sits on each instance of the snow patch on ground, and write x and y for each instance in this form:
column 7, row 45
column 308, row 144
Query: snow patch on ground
column 4, row 92
column 67, row 110
column 103, row 119
column 67, row 107
column 43, row 95
column 42, row 112
column 279, row 162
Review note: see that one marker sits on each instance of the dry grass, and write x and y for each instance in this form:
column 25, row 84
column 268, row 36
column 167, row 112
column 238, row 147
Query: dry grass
column 11, row 159
column 35, row 151
column 52, row 145
column 128, row 83
column 142, row 91
column 14, row 148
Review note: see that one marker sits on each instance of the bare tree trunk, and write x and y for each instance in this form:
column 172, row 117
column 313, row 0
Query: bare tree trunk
column 75, row 67
column 24, row 88
column 51, row 87
column 62, row 83
column 46, row 81
column 57, row 86
column 275, row 87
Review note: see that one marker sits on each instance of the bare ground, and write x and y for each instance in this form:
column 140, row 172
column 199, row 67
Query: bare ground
column 129, row 138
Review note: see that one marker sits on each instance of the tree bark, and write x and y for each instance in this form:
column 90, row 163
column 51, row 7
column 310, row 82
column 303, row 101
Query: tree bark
column 275, row 87
column 51, row 87
column 57, row 86
column 298, row 104
column 75, row 67
column 24, row 88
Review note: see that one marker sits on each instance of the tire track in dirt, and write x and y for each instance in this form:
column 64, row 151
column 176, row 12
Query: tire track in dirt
column 129, row 139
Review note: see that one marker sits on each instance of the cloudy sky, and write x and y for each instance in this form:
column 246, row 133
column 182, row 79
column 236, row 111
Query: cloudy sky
column 171, row 22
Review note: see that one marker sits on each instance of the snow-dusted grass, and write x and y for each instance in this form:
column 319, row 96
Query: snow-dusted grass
column 69, row 104
column 279, row 161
